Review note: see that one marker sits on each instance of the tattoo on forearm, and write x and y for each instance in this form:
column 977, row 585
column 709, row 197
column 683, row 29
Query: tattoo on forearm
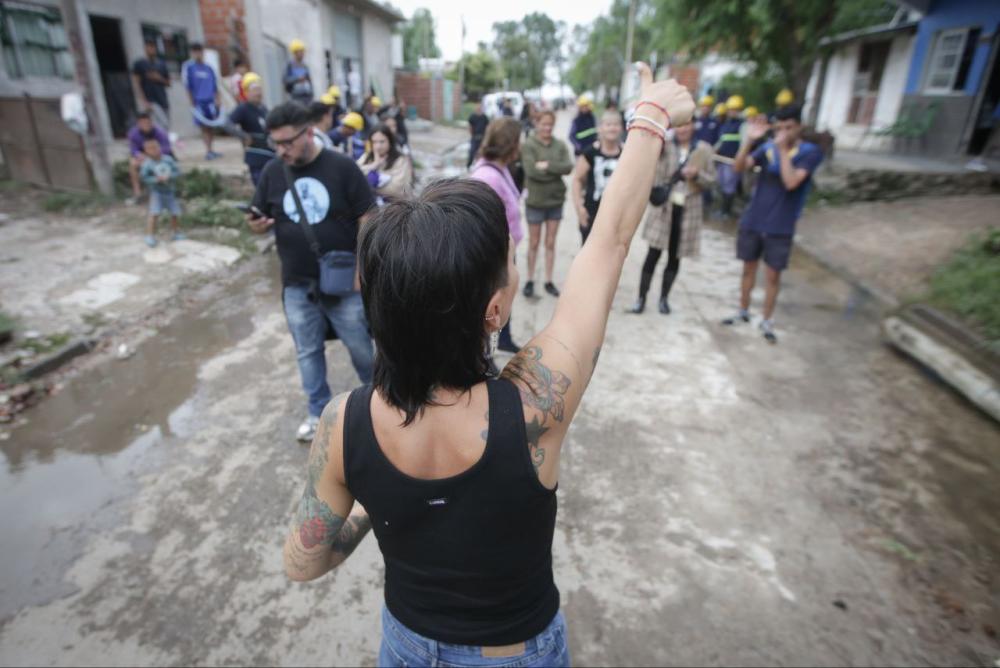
column 541, row 388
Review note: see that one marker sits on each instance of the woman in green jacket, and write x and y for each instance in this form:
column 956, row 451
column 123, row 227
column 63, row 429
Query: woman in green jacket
column 546, row 160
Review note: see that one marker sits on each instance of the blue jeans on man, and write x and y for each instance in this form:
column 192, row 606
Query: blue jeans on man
column 308, row 320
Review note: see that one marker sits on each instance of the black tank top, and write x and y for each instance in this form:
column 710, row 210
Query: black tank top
column 468, row 559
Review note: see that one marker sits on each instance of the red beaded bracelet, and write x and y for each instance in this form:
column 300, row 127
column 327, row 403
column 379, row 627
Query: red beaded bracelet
column 651, row 131
column 656, row 106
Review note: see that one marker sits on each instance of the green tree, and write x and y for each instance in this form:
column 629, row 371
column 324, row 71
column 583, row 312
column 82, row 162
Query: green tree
column 601, row 61
column 418, row 39
column 525, row 47
column 780, row 34
column 483, row 72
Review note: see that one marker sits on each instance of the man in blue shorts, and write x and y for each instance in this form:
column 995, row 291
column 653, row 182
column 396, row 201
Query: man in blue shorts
column 203, row 91
column 768, row 225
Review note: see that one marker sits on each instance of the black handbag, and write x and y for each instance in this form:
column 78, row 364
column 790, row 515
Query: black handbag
column 336, row 267
column 659, row 194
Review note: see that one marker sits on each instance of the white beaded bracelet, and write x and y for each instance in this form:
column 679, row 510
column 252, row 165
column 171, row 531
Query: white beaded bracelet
column 655, row 124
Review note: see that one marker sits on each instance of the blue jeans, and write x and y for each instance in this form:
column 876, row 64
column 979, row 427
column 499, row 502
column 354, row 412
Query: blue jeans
column 307, row 320
column 403, row 647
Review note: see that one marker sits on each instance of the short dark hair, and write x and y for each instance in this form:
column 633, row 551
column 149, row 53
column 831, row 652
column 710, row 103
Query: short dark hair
column 289, row 113
column 394, row 154
column 238, row 62
column 142, row 114
column 429, row 267
column 146, row 140
column 318, row 110
column 789, row 112
column 150, row 40
column 196, row 46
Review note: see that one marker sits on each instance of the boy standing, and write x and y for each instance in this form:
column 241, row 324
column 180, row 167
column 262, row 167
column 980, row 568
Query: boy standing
column 768, row 224
column 203, row 92
column 159, row 172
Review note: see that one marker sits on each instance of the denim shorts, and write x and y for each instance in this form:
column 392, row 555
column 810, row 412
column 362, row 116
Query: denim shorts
column 775, row 249
column 160, row 201
column 539, row 216
column 403, row 647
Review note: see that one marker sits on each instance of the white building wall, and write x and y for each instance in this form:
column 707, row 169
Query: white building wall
column 376, row 48
column 837, row 90
column 890, row 94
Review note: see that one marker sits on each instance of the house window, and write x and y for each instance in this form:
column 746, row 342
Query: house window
column 171, row 44
column 34, row 42
column 950, row 59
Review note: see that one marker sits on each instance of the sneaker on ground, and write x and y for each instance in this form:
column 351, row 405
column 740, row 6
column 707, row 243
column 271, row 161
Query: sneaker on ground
column 307, row 429
column 551, row 288
column 150, row 240
column 529, row 289
column 768, row 330
column 740, row 317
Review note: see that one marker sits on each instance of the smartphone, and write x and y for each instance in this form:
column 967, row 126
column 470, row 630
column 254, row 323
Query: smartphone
column 251, row 210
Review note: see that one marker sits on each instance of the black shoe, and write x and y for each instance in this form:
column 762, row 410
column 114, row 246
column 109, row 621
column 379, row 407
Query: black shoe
column 638, row 307
column 664, row 306
column 510, row 347
column 551, row 288
column 529, row 289
column 736, row 319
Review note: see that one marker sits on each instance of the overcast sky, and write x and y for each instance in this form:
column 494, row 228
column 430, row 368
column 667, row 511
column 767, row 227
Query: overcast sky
column 481, row 14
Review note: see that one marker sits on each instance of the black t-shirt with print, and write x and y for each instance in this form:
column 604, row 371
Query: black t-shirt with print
column 602, row 166
column 334, row 194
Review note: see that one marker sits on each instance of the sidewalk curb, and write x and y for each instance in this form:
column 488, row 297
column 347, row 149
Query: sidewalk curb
column 58, row 358
column 885, row 299
column 914, row 333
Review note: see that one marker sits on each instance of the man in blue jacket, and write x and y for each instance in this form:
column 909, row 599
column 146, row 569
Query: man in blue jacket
column 726, row 146
column 583, row 130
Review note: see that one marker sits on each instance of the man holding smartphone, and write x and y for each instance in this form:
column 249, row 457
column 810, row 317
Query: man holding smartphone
column 336, row 198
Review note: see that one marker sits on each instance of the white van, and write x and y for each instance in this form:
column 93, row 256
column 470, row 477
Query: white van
column 493, row 101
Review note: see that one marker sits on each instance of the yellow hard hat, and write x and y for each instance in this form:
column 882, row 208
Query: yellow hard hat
column 328, row 99
column 720, row 109
column 751, row 111
column 376, row 102
column 353, row 120
column 785, row 97
column 706, row 101
column 249, row 79
column 296, row 45
column 734, row 103
column 584, row 101
column 333, row 91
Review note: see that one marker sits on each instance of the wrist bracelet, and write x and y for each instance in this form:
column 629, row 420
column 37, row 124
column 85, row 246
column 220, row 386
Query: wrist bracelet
column 654, row 123
column 663, row 110
column 651, row 131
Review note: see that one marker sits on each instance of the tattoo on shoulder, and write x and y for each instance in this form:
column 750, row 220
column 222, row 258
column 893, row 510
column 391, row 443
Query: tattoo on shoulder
column 541, row 388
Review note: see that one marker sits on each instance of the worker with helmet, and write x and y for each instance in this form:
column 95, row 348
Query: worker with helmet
column 331, row 98
column 248, row 121
column 583, row 130
column 347, row 137
column 298, row 82
column 784, row 98
column 706, row 128
column 726, row 147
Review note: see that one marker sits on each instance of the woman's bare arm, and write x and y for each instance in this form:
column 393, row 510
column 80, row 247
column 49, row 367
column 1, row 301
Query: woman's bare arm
column 554, row 369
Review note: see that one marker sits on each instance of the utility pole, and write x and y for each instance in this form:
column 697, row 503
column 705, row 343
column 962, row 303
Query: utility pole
column 93, row 140
column 629, row 35
column 461, row 62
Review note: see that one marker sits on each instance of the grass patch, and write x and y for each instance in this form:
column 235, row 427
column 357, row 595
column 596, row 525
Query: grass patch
column 818, row 198
column 7, row 326
column 75, row 204
column 45, row 344
column 221, row 216
column 968, row 285
column 200, row 183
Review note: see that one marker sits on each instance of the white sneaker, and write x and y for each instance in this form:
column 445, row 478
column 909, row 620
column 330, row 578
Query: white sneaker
column 307, row 429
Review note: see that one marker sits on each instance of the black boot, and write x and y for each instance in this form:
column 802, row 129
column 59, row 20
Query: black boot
column 664, row 306
column 551, row 288
column 668, row 282
column 506, row 343
column 639, row 306
column 529, row 289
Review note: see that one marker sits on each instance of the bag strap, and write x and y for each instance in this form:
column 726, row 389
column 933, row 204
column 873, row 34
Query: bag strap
column 303, row 219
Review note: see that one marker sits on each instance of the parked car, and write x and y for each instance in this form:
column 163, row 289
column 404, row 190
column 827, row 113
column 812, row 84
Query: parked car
column 493, row 101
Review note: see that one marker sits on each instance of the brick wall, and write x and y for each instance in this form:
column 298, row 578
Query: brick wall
column 225, row 30
column 426, row 94
column 686, row 75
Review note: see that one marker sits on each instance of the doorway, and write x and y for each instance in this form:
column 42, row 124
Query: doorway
column 118, row 95
column 989, row 109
